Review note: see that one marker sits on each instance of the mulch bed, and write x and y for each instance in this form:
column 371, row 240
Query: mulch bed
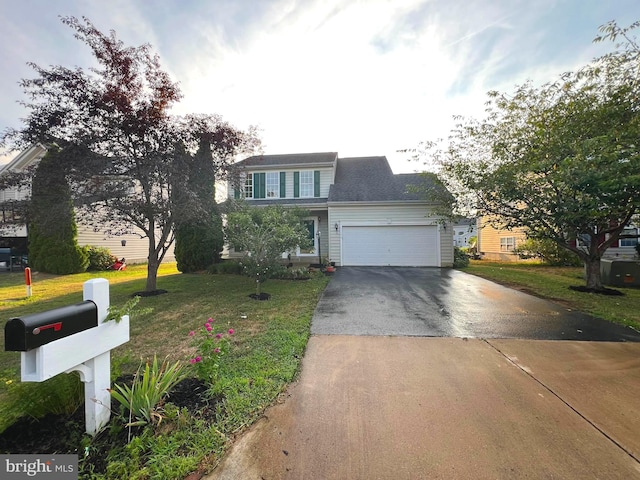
column 261, row 296
column 63, row 434
column 152, row 293
column 603, row 291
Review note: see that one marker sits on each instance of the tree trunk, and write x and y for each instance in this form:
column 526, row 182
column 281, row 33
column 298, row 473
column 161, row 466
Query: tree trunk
column 592, row 271
column 152, row 271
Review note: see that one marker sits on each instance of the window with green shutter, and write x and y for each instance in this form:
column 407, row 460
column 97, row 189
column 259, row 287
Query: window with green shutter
column 306, row 183
column 259, row 185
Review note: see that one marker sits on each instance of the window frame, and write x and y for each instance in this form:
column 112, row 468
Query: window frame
column 306, row 183
column 272, row 190
column 506, row 242
column 630, row 242
column 247, row 187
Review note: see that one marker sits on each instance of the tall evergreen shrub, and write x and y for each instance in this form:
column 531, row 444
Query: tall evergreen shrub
column 199, row 234
column 53, row 245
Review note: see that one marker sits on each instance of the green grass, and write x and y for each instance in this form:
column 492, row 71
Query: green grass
column 267, row 348
column 553, row 283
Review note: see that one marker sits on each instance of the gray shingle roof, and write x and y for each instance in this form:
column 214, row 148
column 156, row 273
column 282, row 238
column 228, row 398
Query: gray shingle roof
column 370, row 179
column 328, row 158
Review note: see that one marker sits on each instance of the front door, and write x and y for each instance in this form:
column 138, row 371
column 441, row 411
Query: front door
column 312, row 229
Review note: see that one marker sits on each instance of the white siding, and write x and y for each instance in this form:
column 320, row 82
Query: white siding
column 135, row 251
column 14, row 193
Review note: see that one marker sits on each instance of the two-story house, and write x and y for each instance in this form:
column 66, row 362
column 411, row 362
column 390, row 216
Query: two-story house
column 360, row 213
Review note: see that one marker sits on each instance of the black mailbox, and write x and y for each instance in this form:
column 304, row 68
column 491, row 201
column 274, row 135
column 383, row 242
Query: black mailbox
column 31, row 331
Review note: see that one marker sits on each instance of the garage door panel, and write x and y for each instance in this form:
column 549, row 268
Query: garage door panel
column 394, row 245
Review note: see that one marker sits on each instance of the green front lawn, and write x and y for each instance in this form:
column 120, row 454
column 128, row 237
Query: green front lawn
column 553, row 282
column 268, row 343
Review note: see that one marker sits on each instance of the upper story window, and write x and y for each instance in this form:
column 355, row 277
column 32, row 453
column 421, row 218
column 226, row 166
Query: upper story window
column 273, row 184
column 248, row 186
column 306, row 183
column 260, row 185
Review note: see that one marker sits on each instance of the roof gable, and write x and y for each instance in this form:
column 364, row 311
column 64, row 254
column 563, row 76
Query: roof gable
column 26, row 158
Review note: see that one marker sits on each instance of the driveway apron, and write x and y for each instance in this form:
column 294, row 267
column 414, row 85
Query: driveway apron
column 386, row 392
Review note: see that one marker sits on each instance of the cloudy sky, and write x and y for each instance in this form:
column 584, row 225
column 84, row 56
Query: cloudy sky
column 367, row 77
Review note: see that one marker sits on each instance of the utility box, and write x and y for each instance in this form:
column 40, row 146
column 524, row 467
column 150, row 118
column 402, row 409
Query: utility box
column 620, row 273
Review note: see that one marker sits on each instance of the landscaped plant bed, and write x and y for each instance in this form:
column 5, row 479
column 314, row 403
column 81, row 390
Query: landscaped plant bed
column 602, row 291
column 63, row 434
column 260, row 296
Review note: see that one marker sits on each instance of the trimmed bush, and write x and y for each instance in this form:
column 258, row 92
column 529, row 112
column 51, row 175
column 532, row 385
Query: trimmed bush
column 460, row 258
column 229, row 267
column 292, row 274
column 548, row 251
column 198, row 246
column 100, row 258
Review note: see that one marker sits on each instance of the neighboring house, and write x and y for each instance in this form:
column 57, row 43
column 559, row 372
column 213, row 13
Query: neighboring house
column 132, row 247
column 463, row 230
column 496, row 244
column 360, row 212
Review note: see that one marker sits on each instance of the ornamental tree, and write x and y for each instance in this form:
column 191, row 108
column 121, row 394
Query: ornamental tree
column 561, row 160
column 263, row 234
column 114, row 122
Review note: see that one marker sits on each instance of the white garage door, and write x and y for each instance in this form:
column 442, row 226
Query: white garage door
column 393, row 245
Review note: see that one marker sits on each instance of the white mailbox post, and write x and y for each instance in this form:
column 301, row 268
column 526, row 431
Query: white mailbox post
column 88, row 352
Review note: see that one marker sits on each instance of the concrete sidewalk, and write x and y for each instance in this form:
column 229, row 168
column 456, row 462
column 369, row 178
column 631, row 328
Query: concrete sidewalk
column 421, row 408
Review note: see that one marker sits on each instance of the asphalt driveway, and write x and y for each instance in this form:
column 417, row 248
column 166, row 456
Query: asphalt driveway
column 434, row 302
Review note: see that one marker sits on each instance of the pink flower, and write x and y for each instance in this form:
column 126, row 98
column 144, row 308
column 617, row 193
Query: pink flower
column 192, row 333
column 193, row 360
column 209, row 328
column 231, row 331
column 211, row 320
column 198, row 359
column 218, row 336
column 216, row 350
